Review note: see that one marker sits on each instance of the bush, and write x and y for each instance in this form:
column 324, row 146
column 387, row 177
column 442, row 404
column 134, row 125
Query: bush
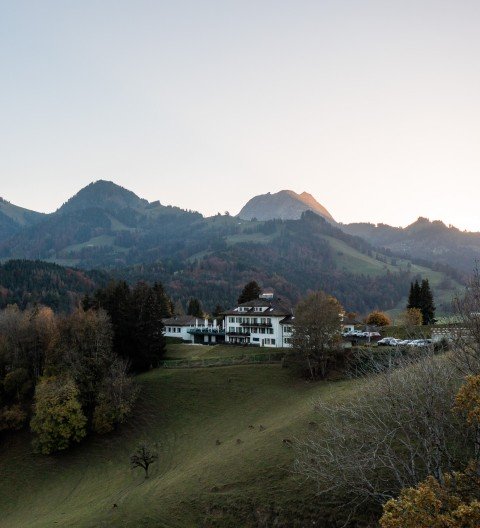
column 12, row 418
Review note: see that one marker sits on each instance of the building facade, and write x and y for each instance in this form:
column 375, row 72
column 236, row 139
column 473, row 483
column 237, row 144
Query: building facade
column 263, row 322
column 194, row 330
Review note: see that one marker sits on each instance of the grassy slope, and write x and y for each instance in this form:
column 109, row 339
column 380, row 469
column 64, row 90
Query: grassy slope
column 186, row 411
column 187, row 351
column 353, row 261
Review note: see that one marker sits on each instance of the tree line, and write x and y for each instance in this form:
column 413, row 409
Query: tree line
column 69, row 375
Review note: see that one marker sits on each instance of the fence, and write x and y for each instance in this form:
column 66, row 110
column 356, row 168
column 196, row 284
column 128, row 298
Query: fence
column 248, row 359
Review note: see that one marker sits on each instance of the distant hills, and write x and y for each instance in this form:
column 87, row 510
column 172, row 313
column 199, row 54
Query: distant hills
column 14, row 218
column 284, row 240
column 283, row 205
column 428, row 240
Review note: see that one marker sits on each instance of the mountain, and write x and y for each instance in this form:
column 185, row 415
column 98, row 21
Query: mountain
column 102, row 225
column 105, row 226
column 14, row 218
column 427, row 240
column 284, row 205
column 104, row 195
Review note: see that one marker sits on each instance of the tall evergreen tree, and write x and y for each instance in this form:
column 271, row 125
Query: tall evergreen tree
column 194, row 308
column 136, row 321
column 421, row 297
column 414, row 298
column 148, row 328
column 427, row 306
column 163, row 300
column 218, row 311
column 250, row 292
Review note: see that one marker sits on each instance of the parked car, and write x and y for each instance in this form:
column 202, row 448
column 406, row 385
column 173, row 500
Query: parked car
column 386, row 341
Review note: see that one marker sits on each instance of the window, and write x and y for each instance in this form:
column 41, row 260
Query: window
column 255, row 339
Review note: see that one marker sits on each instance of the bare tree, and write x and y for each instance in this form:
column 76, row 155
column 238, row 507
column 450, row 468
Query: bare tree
column 465, row 336
column 144, row 456
column 398, row 428
column 317, row 331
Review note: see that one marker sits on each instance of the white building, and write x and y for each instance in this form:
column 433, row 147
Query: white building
column 262, row 322
column 194, row 330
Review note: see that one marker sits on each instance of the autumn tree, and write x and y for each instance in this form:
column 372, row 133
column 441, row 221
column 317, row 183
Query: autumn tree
column 115, row 398
column 378, row 318
column 317, row 331
column 412, row 317
column 250, row 292
column 453, row 503
column 58, row 419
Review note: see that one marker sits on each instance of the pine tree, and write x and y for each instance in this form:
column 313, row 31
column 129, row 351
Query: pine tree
column 427, row 306
column 414, row 298
column 421, row 297
column 218, row 311
column 194, row 308
column 250, row 292
column 163, row 300
column 148, row 328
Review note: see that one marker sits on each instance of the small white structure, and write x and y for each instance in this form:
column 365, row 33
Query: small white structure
column 349, row 323
column 194, row 330
column 262, row 322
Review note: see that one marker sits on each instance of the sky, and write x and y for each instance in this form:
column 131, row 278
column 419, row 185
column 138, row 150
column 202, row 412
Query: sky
column 371, row 106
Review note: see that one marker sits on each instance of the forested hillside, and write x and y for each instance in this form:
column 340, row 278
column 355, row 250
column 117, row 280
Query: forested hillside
column 294, row 257
column 105, row 226
column 431, row 241
column 25, row 282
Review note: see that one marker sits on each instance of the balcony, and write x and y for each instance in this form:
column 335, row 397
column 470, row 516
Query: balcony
column 257, row 325
column 206, row 331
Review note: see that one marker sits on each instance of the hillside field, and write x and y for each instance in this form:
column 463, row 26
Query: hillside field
column 245, row 481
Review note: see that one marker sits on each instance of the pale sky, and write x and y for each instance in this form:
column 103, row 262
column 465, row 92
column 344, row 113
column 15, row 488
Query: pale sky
column 371, row 106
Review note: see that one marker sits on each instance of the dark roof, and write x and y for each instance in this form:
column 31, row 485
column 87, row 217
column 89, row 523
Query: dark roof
column 290, row 319
column 181, row 320
column 351, row 321
column 273, row 308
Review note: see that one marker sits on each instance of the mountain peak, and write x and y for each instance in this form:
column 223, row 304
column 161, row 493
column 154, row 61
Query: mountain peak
column 284, row 205
column 104, row 194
